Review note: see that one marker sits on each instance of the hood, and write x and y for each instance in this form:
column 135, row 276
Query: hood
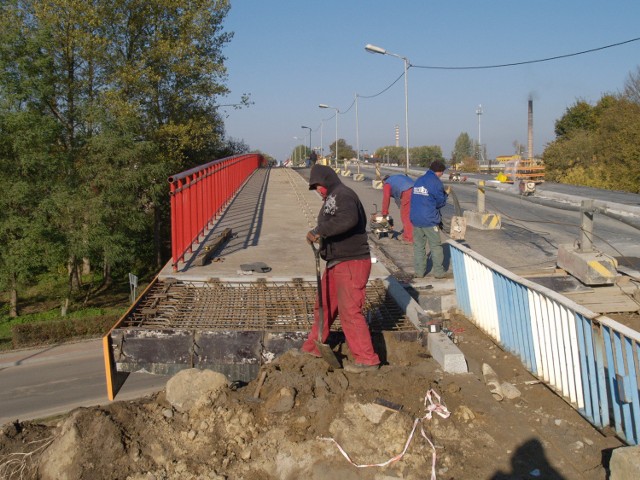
column 323, row 175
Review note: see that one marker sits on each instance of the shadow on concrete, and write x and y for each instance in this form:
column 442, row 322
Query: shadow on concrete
column 529, row 461
column 244, row 215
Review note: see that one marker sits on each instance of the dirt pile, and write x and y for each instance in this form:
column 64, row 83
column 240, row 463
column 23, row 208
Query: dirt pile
column 292, row 426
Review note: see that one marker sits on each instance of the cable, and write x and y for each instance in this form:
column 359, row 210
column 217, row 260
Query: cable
column 480, row 67
column 382, row 91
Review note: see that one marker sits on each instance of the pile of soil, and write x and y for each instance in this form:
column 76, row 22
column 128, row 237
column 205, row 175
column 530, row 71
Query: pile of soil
column 292, row 426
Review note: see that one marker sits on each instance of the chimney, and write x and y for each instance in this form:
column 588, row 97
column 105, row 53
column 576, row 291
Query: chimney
column 530, row 129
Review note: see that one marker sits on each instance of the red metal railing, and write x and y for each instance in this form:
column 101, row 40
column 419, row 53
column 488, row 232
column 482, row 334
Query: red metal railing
column 199, row 195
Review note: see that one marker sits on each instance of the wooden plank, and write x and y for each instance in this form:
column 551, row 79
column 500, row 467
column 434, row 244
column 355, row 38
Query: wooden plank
column 210, row 248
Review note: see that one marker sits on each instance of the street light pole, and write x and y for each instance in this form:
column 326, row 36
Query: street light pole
column 322, row 105
column 374, row 49
column 357, row 133
column 309, row 128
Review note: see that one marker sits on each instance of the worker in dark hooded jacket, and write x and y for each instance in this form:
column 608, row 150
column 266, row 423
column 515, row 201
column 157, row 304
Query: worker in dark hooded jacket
column 341, row 232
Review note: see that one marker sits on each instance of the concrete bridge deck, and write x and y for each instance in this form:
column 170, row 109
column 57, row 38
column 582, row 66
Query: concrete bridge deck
column 269, row 220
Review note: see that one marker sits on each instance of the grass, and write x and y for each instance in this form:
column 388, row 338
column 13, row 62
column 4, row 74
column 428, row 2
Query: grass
column 40, row 304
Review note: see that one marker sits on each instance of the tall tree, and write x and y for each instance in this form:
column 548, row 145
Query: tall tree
column 423, row 156
column 462, row 149
column 128, row 88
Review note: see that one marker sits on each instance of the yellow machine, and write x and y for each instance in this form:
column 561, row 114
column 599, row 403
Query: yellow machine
column 521, row 170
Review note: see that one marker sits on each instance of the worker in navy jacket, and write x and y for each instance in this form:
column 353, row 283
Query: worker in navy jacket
column 341, row 232
column 427, row 198
column 399, row 188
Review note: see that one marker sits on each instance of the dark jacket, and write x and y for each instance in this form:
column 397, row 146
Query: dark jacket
column 342, row 221
column 427, row 198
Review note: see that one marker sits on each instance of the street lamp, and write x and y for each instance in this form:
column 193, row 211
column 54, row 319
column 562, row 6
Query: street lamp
column 309, row 128
column 322, row 105
column 373, row 49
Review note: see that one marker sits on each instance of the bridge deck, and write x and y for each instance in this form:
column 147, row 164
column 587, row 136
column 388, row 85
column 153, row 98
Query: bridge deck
column 269, row 220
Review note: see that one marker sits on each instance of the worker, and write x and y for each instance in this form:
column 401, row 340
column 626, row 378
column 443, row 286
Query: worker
column 427, row 198
column 399, row 187
column 341, row 233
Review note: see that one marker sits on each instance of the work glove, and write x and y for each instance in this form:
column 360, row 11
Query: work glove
column 447, row 189
column 312, row 237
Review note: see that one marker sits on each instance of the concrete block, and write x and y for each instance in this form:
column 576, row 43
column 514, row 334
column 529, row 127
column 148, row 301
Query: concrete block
column 625, row 463
column 483, row 220
column 591, row 268
column 345, row 173
column 442, row 349
column 358, row 177
column 377, row 184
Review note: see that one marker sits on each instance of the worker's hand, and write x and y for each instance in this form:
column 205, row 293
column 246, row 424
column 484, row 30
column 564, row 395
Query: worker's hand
column 447, row 189
column 312, row 237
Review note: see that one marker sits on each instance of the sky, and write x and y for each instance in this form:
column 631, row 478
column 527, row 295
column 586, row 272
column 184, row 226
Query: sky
column 292, row 55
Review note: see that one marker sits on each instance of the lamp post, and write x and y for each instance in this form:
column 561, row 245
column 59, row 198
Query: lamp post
column 308, row 128
column 322, row 105
column 373, row 49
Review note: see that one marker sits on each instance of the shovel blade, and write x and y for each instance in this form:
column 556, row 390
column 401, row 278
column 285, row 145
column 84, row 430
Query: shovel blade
column 328, row 355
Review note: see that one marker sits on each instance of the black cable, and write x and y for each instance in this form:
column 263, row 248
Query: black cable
column 480, row 67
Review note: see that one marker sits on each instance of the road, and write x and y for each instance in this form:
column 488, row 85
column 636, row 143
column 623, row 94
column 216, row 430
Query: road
column 47, row 381
column 531, row 233
column 42, row 382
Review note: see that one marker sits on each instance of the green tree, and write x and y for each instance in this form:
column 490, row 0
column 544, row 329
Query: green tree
column 462, row 149
column 391, row 154
column 603, row 152
column 424, row 155
column 344, row 150
column 124, row 94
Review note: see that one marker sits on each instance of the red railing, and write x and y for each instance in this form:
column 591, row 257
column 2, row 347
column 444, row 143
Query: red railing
column 199, row 195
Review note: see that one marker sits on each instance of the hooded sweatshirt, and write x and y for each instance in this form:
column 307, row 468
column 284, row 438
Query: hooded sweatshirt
column 342, row 221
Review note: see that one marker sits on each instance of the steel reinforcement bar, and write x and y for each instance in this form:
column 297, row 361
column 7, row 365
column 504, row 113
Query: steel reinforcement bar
column 199, row 195
column 590, row 360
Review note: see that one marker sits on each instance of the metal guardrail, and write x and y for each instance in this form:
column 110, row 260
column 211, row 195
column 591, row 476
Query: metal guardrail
column 591, row 361
column 199, row 194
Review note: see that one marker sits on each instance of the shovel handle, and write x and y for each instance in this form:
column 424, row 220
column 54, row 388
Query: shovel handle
column 316, row 252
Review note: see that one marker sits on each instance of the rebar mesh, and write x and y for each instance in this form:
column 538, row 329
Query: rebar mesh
column 251, row 306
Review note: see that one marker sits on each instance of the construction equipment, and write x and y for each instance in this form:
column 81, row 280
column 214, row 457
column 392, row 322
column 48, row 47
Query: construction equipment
column 381, row 225
column 527, row 187
column 325, row 350
column 520, row 169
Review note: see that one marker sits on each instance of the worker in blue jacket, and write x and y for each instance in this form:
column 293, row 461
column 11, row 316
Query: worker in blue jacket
column 427, row 198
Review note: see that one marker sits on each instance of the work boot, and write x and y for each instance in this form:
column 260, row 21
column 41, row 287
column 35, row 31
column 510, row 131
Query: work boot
column 360, row 367
column 444, row 275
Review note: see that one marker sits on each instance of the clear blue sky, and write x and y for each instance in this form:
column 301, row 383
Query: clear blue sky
column 293, row 55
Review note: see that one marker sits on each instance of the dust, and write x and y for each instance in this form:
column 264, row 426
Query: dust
column 292, row 425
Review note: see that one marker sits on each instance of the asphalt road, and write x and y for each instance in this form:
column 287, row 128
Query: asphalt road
column 43, row 382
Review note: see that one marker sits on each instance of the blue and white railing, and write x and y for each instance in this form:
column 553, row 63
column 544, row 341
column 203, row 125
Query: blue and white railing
column 592, row 361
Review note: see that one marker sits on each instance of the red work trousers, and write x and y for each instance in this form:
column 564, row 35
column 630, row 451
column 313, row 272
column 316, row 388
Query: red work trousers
column 405, row 209
column 343, row 291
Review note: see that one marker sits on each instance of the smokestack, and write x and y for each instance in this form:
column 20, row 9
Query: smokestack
column 397, row 129
column 530, row 129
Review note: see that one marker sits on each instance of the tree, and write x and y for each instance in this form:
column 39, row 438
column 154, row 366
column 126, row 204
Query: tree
column 602, row 151
column 462, row 149
column 423, row 156
column 391, row 154
column 344, row 150
column 632, row 86
column 124, row 94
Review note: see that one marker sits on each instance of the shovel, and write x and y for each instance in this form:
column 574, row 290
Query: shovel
column 325, row 350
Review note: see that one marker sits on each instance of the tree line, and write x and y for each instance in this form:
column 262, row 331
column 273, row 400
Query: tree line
column 99, row 103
